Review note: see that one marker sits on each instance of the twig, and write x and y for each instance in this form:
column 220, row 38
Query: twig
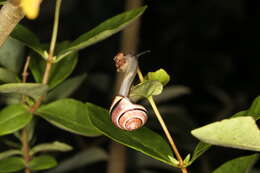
column 47, row 70
column 164, row 127
column 25, row 75
column 25, row 149
column 24, row 133
column 25, row 69
column 53, row 42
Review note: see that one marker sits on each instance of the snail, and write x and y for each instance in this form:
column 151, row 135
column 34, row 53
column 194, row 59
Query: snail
column 125, row 114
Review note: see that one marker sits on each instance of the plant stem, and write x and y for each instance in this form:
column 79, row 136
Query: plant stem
column 24, row 133
column 164, row 127
column 55, row 28
column 25, row 75
column 25, row 148
column 47, row 70
column 25, row 69
column 53, row 42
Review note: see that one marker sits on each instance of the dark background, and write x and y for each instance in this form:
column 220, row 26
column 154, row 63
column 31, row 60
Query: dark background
column 209, row 46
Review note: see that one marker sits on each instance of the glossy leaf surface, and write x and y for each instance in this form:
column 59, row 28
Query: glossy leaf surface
column 239, row 132
column 13, row 118
column 70, row 115
column 11, row 164
column 102, row 31
column 143, row 140
column 238, row 165
column 42, row 162
column 33, row 90
column 28, row 38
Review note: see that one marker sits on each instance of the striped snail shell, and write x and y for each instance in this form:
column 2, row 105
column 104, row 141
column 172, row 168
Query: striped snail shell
column 126, row 115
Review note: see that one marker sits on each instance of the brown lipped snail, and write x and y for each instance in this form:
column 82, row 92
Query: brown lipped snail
column 125, row 114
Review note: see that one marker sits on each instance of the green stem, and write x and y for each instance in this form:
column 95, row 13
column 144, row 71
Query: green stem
column 53, row 43
column 55, row 28
column 164, row 127
column 47, row 70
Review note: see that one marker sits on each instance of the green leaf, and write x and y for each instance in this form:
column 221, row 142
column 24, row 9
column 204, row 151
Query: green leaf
column 240, row 114
column 254, row 112
column 59, row 71
column 7, row 76
column 11, row 55
column 143, row 140
column 187, row 159
column 66, row 88
column 146, row 89
column 238, row 165
column 199, row 150
column 11, row 164
column 70, row 115
column 13, row 118
column 42, row 162
column 28, row 38
column 102, row 31
column 160, row 75
column 254, row 109
column 239, row 132
column 54, row 146
column 81, row 159
column 9, row 153
column 29, row 89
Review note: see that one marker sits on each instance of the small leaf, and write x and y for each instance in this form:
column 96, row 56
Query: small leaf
column 199, row 150
column 54, row 146
column 70, row 115
column 11, row 164
column 9, row 153
column 7, row 76
column 29, row 89
column 59, row 71
column 143, row 140
column 146, row 89
column 11, row 55
column 102, row 31
column 238, row 165
column 81, row 159
column 187, row 159
column 174, row 161
column 240, row 132
column 42, row 162
column 254, row 109
column 13, row 118
column 28, row 38
column 160, row 75
column 66, row 88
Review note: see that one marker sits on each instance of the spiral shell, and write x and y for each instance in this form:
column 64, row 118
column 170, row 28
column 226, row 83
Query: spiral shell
column 126, row 115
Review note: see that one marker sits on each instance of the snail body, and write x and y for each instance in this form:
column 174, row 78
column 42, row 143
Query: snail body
column 125, row 114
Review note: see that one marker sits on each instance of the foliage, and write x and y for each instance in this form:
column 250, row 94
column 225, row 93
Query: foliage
column 46, row 98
